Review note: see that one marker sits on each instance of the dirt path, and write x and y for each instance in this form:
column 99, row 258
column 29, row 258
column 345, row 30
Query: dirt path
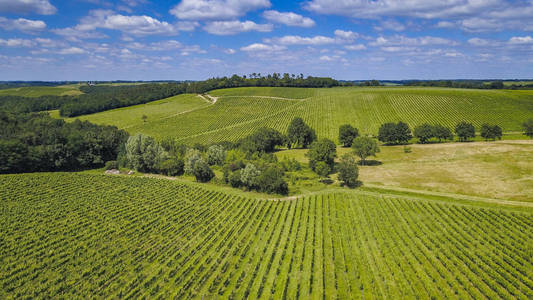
column 211, row 99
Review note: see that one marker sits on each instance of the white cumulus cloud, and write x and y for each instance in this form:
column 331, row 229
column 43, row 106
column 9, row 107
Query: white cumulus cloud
column 234, row 27
column 258, row 47
column 41, row 7
column 216, row 9
column 22, row 24
column 288, row 18
column 521, row 40
column 298, row 40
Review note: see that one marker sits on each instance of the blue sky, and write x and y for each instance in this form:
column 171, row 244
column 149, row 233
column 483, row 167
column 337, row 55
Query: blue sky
column 198, row 39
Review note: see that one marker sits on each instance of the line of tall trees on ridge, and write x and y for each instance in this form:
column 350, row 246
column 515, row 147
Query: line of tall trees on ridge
column 104, row 97
column 469, row 84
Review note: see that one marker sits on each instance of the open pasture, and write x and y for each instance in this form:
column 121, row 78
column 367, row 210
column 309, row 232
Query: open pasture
column 82, row 236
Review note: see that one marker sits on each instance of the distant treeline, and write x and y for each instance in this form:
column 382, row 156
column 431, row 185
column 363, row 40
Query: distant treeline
column 469, row 84
column 97, row 98
column 17, row 84
column 37, row 142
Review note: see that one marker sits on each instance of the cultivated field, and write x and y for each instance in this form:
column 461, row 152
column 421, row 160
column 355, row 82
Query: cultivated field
column 69, row 235
column 36, row 91
column 240, row 111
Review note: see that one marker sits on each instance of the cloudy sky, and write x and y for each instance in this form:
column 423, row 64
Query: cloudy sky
column 197, row 39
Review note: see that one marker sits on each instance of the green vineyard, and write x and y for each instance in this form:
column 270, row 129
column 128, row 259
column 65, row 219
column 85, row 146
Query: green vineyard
column 240, row 111
column 71, row 235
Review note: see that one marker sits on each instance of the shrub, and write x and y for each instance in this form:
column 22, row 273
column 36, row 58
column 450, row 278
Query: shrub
column 235, row 179
column 110, row 165
column 172, row 167
column 249, row 175
column 271, row 181
column 528, row 128
column 322, row 169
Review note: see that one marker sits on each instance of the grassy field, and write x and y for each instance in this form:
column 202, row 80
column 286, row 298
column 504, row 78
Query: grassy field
column 501, row 170
column 131, row 117
column 240, row 111
column 36, row 91
column 71, row 235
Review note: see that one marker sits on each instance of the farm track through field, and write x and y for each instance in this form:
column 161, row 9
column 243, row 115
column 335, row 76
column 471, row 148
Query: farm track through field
column 79, row 235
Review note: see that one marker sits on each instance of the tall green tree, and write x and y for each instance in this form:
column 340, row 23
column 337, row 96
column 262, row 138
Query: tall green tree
column 347, row 133
column 300, row 134
column 364, row 147
column 323, row 150
column 144, row 154
column 491, row 132
column 424, row 133
column 528, row 128
column 403, row 133
column 348, row 170
column 465, row 131
column 442, row 133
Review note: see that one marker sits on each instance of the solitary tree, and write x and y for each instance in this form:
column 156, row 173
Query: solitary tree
column 144, row 117
column 424, row 132
column 465, row 131
column 491, row 132
column 323, row 150
column 528, row 128
column 387, row 133
column 364, row 147
column 300, row 134
column 346, row 134
column 348, row 170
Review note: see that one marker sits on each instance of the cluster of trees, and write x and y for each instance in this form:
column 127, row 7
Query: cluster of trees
column 463, row 84
column 425, row 132
column 36, row 142
column 394, row 133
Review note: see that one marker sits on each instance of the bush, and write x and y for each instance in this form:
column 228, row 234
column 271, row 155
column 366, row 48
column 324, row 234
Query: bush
column 348, row 170
column 322, row 169
column 235, row 179
column 528, row 128
column 110, row 165
column 249, row 175
column 347, row 133
column 271, row 181
column 172, row 167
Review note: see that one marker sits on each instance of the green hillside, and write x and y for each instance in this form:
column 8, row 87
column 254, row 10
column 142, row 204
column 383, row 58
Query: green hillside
column 240, row 111
column 36, row 91
column 71, row 235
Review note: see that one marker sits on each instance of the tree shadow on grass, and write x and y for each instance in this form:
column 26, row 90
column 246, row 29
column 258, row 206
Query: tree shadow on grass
column 357, row 184
column 370, row 162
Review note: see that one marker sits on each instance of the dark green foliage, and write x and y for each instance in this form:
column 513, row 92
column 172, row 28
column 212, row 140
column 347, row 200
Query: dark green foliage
column 346, row 135
column 491, row 132
column 300, row 134
column 528, row 128
column 235, row 179
column 290, row 165
column 110, row 165
column 322, row 169
column 364, row 147
column 394, row 133
column 202, row 172
column 271, row 181
column 348, row 170
column 442, row 133
column 323, row 150
column 262, row 140
column 171, row 167
column 424, row 133
column 465, row 131
column 144, row 154
column 37, row 142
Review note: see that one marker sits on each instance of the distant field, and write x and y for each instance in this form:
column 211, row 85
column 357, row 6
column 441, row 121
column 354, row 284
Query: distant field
column 127, row 117
column 69, row 235
column 36, row 91
column 502, row 170
column 240, row 111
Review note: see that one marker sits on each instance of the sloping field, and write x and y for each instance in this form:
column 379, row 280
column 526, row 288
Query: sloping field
column 68, row 235
column 240, row 111
column 36, row 91
column 159, row 110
